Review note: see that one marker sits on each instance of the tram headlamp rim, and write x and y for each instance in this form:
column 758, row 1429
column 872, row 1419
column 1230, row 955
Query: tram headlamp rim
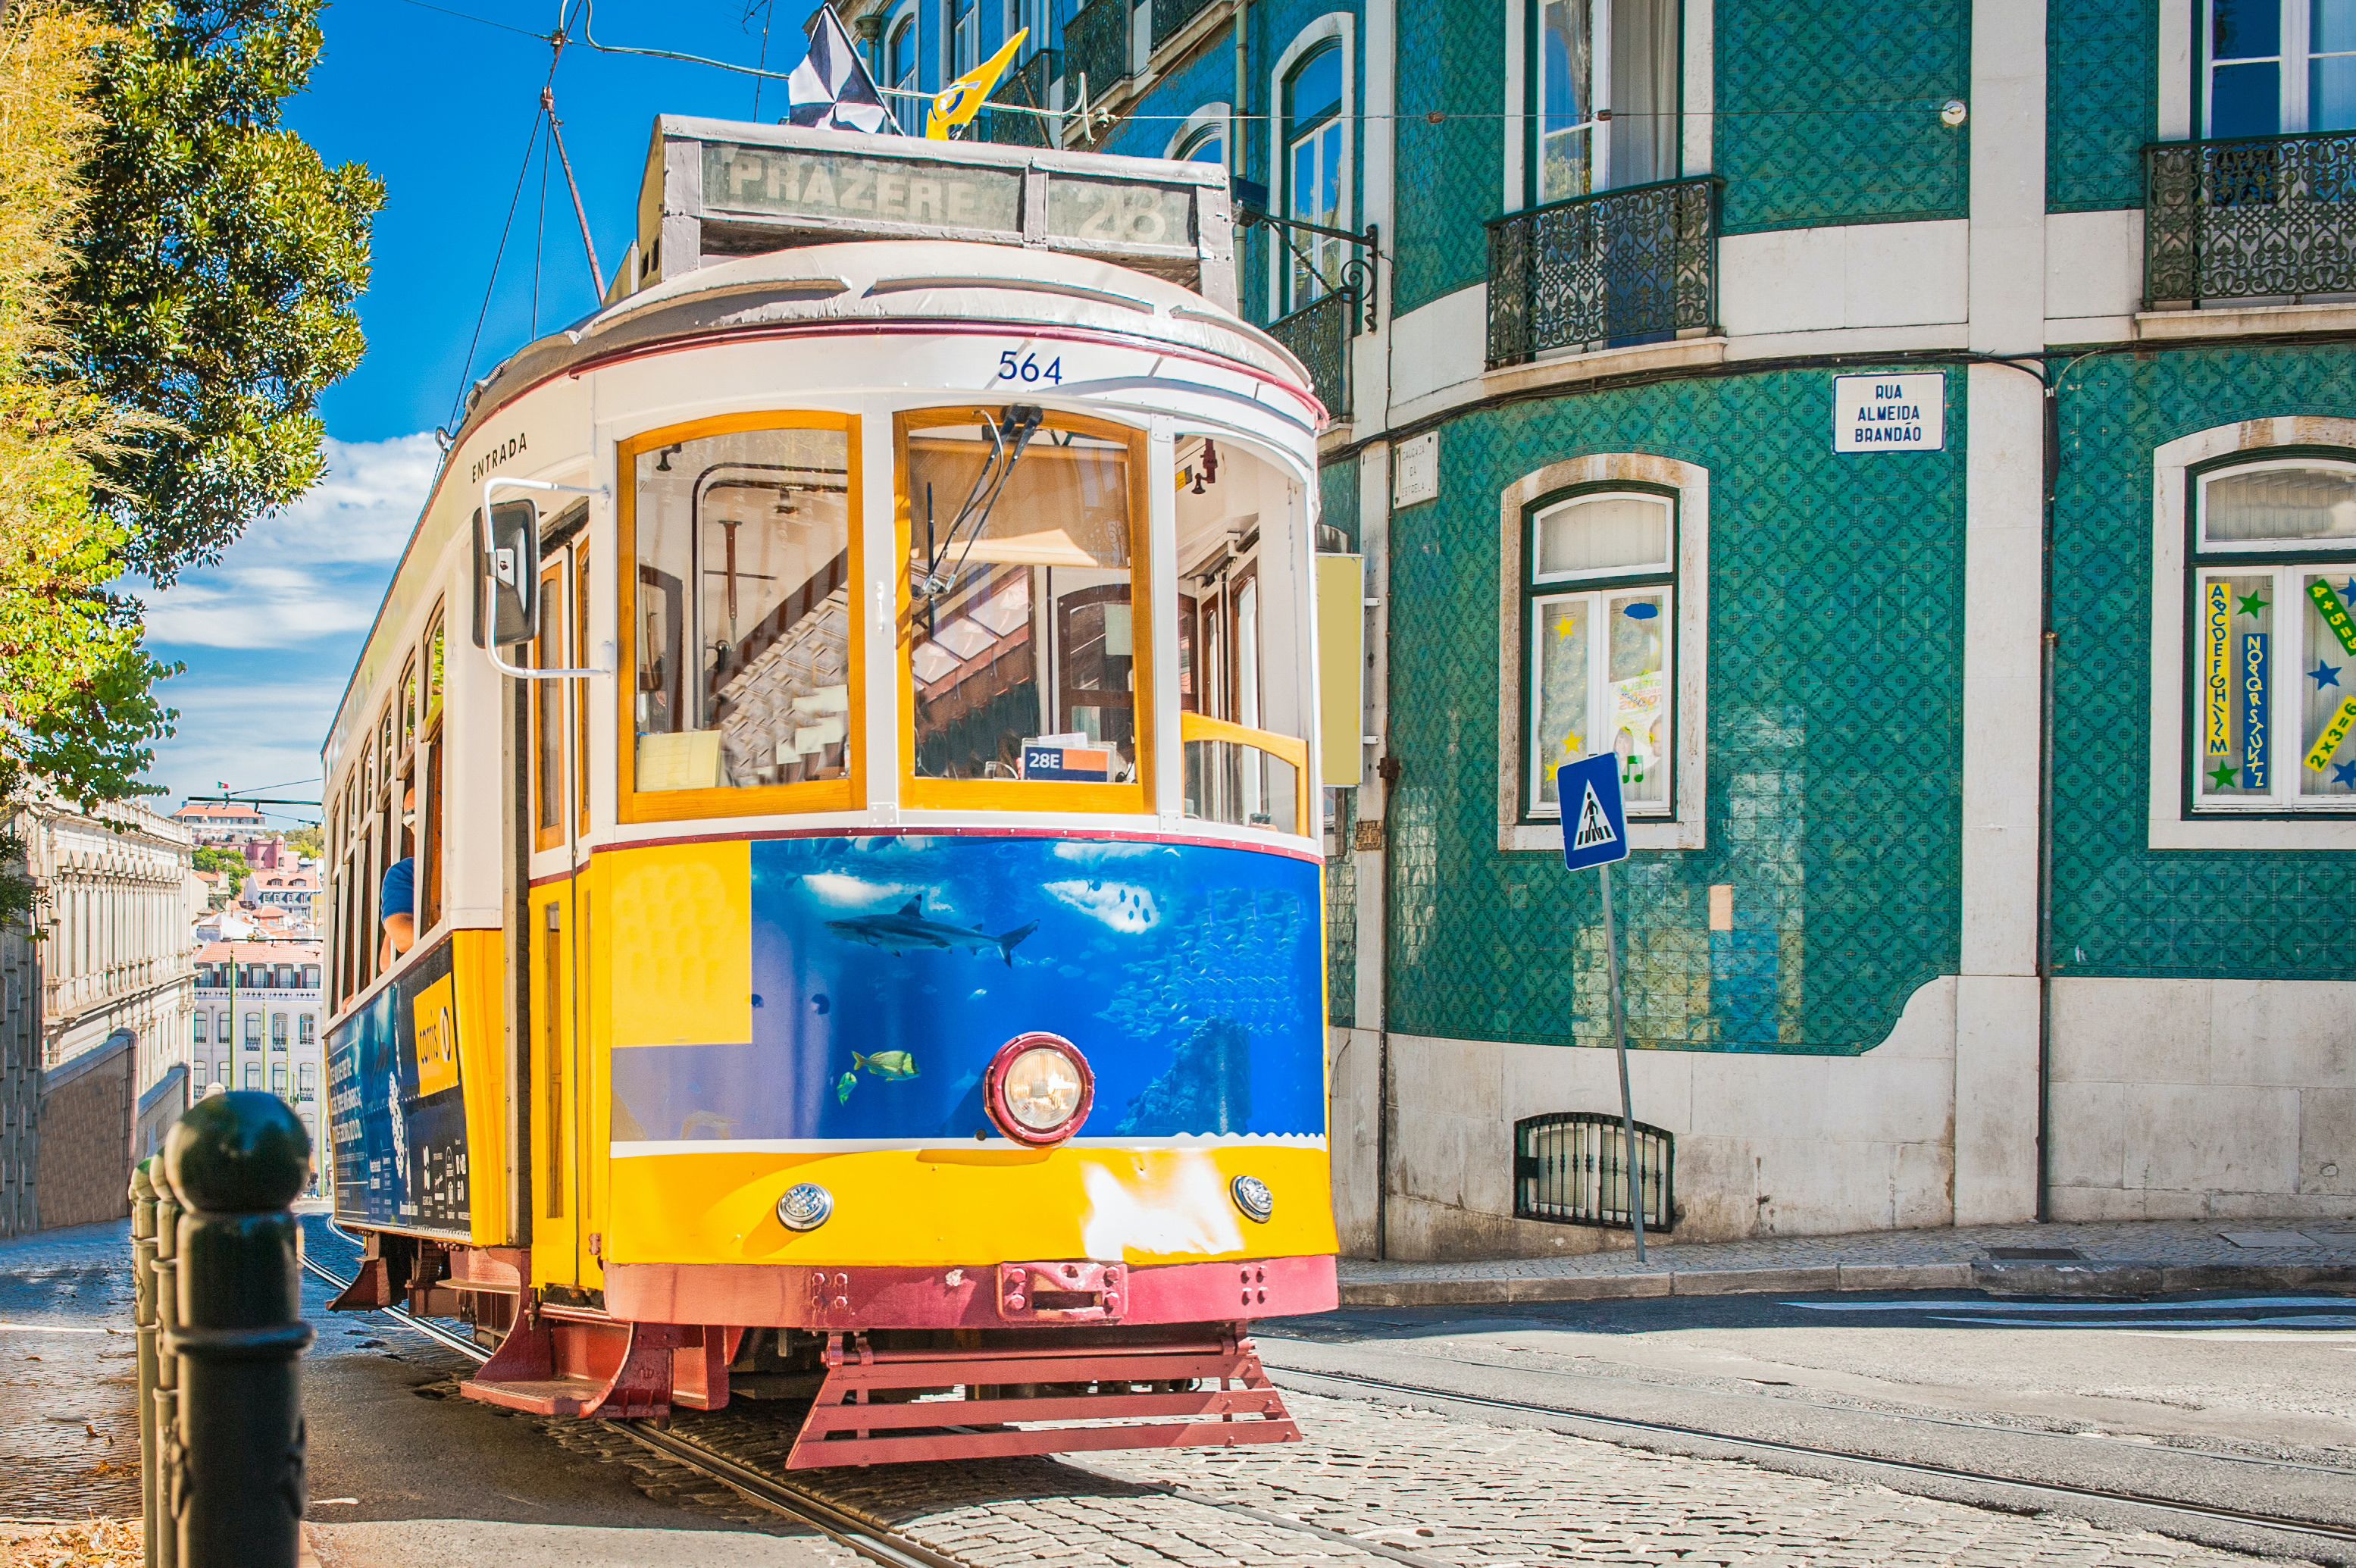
column 1254, row 1198
column 1001, row 1111
column 806, row 1206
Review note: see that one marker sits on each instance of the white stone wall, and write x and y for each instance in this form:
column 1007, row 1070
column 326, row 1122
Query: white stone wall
column 1766, row 1144
column 2203, row 1098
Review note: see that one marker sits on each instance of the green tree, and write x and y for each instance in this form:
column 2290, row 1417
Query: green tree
column 77, row 705
column 221, row 259
column 229, row 862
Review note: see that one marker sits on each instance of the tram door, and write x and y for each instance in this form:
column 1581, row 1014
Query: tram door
column 556, row 800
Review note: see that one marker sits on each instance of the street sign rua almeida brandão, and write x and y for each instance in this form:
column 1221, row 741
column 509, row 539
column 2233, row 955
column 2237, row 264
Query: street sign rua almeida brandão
column 1595, row 835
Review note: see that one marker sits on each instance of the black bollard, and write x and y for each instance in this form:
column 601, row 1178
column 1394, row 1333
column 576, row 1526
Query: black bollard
column 164, row 1541
column 236, row 1161
column 142, row 1278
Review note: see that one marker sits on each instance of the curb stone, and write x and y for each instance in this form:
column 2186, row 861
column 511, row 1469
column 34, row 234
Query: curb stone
column 1997, row 1277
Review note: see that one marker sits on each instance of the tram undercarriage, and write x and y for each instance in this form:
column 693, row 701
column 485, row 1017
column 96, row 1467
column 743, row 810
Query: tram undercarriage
column 1062, row 1371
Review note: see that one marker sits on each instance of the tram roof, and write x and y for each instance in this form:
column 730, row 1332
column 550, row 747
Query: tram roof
column 899, row 281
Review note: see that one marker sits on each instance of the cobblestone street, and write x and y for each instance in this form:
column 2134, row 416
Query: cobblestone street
column 69, row 1376
column 1376, row 1483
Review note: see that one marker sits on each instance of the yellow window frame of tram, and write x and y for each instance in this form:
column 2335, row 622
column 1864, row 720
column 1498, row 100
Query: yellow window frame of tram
column 1020, row 795
column 678, row 805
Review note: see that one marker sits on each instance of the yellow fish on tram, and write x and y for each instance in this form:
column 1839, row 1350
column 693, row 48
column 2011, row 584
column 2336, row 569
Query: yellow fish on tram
column 825, row 830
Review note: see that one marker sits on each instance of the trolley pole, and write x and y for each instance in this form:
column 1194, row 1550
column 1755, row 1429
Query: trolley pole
column 1595, row 835
column 237, row 1161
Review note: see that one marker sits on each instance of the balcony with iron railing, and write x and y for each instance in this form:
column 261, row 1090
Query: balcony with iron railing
column 2255, row 220
column 1096, row 47
column 1319, row 334
column 1608, row 271
column 1027, row 84
column 1170, row 16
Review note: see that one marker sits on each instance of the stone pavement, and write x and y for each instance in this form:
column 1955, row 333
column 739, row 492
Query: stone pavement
column 69, row 1376
column 2115, row 1259
column 1438, row 1490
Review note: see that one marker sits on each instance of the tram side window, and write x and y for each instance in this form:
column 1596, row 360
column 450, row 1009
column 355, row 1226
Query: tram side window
column 741, row 606
column 1024, row 650
column 430, row 817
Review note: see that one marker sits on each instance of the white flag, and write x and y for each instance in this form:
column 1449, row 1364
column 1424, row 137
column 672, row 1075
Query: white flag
column 831, row 86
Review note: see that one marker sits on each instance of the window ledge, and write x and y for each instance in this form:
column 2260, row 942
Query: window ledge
column 2243, row 321
column 2242, row 832
column 1567, row 368
column 1524, row 838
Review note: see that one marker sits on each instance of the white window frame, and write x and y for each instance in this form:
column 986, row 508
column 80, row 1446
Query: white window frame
column 2172, row 822
column 2294, row 64
column 1337, row 27
column 1595, row 589
column 1683, row 824
column 1214, row 118
column 911, row 80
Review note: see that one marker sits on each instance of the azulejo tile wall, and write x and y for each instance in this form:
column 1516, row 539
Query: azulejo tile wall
column 1836, row 649
column 1451, row 167
column 2101, row 103
column 2120, row 907
column 1828, row 112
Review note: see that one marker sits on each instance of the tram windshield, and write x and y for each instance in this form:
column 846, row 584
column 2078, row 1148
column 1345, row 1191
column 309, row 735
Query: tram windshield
column 742, row 604
column 1024, row 641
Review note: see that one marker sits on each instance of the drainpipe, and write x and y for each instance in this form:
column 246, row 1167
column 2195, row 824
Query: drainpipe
column 1238, row 125
column 2049, row 643
column 1388, row 770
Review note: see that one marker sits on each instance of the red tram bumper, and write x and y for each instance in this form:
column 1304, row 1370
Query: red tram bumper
column 929, row 1363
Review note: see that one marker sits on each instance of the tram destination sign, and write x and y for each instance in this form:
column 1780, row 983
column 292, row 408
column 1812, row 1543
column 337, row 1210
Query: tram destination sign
column 849, row 190
column 845, row 188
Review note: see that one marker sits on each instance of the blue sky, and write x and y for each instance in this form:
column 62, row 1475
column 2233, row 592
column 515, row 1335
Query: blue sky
column 440, row 106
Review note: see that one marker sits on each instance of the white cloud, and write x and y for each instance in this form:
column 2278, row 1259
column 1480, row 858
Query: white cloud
column 363, row 510
column 262, row 607
column 314, row 570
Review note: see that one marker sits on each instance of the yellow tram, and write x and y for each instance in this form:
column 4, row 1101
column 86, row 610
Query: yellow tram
column 846, row 724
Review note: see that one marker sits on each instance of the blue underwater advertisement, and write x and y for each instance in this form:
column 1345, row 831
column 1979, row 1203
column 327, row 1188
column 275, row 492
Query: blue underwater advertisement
column 399, row 1127
column 888, row 972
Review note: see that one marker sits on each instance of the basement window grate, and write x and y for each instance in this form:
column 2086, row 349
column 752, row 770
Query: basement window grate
column 1570, row 1169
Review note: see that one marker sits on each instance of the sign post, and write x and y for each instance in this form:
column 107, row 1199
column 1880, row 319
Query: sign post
column 1595, row 834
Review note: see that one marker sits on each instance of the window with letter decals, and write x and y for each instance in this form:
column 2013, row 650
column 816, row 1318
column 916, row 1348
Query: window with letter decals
column 2273, row 637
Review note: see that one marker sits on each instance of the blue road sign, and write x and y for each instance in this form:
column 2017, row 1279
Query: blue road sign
column 1594, row 821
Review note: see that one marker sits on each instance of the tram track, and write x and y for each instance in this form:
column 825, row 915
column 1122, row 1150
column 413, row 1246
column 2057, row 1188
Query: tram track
column 1575, row 1421
column 879, row 1543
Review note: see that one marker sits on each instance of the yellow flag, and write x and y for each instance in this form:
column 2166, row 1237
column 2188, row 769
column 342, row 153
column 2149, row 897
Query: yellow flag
column 961, row 99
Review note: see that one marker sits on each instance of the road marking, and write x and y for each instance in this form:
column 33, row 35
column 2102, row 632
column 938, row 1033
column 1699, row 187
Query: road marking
column 49, row 1328
column 2212, row 1304
column 2320, row 1320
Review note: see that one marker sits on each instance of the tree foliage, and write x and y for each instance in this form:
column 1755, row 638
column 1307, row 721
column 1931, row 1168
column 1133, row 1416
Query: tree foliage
column 220, row 260
column 178, row 275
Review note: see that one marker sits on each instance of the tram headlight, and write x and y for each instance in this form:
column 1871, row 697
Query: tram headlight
column 805, row 1207
column 1039, row 1088
column 1252, row 1196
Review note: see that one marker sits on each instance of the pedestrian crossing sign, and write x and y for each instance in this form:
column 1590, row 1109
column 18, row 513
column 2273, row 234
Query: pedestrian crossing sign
column 1595, row 818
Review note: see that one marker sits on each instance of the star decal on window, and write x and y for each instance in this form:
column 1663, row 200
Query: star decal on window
column 2323, row 676
column 2224, row 776
column 2344, row 773
column 2251, row 604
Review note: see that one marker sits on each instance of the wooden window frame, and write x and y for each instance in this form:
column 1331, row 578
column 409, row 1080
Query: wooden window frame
column 847, row 794
column 548, row 707
column 580, row 698
column 1022, row 795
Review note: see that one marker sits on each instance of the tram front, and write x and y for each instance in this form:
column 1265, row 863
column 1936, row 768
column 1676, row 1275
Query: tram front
column 930, row 970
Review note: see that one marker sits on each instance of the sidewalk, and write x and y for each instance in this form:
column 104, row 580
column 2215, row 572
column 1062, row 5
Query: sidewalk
column 2138, row 1258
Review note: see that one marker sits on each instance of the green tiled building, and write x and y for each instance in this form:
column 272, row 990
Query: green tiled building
column 1921, row 440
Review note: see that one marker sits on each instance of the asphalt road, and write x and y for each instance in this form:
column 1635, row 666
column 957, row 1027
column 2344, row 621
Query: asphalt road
column 2236, row 1401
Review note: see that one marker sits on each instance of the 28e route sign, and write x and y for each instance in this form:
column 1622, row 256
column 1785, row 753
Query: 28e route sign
column 1595, row 818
